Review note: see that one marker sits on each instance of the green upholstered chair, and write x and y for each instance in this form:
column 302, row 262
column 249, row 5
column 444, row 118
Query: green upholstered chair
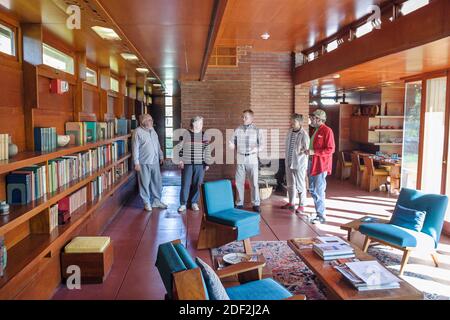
column 222, row 223
column 405, row 239
column 183, row 278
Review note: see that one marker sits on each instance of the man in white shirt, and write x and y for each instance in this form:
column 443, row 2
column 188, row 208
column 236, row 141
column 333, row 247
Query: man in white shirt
column 148, row 157
column 248, row 142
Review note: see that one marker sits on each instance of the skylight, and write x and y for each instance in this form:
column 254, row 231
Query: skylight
column 364, row 29
column 412, row 5
column 106, row 33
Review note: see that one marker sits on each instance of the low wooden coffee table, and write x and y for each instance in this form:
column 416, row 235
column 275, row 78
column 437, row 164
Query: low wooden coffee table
column 355, row 224
column 337, row 286
column 255, row 267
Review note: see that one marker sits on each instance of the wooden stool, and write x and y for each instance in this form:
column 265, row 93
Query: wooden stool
column 93, row 255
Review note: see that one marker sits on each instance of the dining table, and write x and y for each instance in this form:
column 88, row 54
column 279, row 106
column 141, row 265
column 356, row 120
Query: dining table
column 391, row 165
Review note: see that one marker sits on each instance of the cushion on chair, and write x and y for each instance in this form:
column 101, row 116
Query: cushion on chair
column 380, row 172
column 168, row 261
column 398, row 236
column 218, row 196
column 246, row 222
column 216, row 290
column 189, row 262
column 408, row 218
column 266, row 289
column 434, row 205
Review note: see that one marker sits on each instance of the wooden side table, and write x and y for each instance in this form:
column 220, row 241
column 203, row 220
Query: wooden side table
column 255, row 267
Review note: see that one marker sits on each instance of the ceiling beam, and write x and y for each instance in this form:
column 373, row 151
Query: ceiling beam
column 216, row 20
column 425, row 25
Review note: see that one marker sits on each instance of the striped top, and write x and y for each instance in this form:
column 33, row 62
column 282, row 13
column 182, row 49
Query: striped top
column 292, row 145
column 195, row 148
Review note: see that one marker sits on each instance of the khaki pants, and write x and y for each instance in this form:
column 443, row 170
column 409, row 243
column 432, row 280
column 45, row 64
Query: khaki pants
column 296, row 184
column 249, row 171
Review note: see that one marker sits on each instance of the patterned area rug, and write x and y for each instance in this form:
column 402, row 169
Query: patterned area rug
column 283, row 266
column 286, row 268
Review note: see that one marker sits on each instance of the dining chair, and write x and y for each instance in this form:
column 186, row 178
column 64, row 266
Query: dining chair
column 356, row 170
column 373, row 178
column 344, row 167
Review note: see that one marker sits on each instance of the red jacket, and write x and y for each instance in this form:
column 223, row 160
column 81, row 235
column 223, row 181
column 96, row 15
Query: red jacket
column 324, row 148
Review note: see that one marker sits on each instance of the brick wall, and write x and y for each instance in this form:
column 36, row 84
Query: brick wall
column 262, row 82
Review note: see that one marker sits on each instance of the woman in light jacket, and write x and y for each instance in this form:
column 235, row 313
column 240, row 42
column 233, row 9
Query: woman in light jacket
column 296, row 160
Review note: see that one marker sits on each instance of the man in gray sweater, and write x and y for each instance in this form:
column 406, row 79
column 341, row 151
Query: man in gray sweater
column 148, row 157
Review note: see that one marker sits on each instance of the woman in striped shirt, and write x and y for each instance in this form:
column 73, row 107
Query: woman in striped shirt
column 297, row 146
column 194, row 159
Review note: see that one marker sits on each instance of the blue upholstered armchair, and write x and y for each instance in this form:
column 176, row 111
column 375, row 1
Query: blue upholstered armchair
column 222, row 223
column 401, row 236
column 185, row 279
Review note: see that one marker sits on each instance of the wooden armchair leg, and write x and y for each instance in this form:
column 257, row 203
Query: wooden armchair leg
column 366, row 244
column 248, row 246
column 404, row 262
column 435, row 259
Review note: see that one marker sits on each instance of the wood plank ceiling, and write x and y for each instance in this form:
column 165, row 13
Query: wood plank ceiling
column 293, row 25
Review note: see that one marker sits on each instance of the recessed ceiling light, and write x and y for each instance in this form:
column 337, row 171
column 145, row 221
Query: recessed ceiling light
column 129, row 56
column 336, row 76
column 151, row 78
column 106, row 33
column 142, row 70
column 157, row 85
column 265, row 36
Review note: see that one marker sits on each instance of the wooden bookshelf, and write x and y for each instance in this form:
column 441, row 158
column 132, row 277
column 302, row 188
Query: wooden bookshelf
column 28, row 158
column 21, row 213
column 35, row 247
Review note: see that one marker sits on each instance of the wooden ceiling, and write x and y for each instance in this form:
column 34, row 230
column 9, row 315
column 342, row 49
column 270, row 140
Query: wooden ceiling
column 171, row 35
column 396, row 67
column 293, row 25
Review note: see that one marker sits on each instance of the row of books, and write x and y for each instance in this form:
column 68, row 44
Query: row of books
column 45, row 139
column 4, row 144
column 26, row 185
column 368, row 275
column 87, row 132
column 72, row 203
column 332, row 248
column 53, row 218
column 3, row 256
column 103, row 182
column 30, row 183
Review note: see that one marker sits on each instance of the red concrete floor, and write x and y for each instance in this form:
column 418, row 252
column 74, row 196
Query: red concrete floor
column 137, row 235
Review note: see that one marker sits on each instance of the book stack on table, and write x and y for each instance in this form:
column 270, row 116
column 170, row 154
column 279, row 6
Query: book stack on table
column 332, row 248
column 368, row 275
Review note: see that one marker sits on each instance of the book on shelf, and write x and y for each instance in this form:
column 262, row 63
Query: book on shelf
column 18, row 188
column 73, row 202
column 102, row 130
column 45, row 139
column 53, row 218
column 40, row 181
column 90, row 131
column 122, row 127
column 4, row 147
column 3, row 256
column 75, row 131
column 368, row 275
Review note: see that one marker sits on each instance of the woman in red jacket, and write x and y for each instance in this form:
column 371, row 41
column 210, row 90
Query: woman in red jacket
column 321, row 151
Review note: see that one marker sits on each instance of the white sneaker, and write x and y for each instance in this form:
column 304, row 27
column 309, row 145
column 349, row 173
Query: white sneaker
column 148, row 208
column 182, row 208
column 159, row 204
column 195, row 207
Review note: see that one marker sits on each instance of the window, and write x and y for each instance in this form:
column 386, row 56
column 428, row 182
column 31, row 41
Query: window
column 364, row 29
column 311, row 56
column 332, row 46
column 169, row 126
column 114, row 85
column 57, row 59
column 412, row 5
column 91, row 77
column 7, row 40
